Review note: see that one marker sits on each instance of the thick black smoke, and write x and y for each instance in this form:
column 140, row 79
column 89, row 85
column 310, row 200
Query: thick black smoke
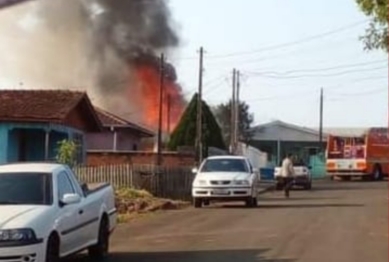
column 131, row 27
column 117, row 33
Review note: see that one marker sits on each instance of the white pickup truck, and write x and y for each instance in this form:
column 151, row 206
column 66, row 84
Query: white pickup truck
column 45, row 214
column 225, row 178
column 302, row 177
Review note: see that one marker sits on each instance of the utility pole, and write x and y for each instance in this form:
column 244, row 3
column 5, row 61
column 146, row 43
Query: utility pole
column 237, row 111
column 321, row 121
column 168, row 112
column 199, row 124
column 161, row 89
column 232, row 128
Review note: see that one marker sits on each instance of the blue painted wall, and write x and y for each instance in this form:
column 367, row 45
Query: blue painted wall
column 35, row 140
column 3, row 144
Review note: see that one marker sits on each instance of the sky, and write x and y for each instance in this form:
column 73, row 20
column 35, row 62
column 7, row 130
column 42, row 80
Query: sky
column 286, row 51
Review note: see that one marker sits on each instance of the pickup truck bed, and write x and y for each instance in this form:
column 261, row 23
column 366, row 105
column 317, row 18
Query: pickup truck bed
column 302, row 177
column 93, row 187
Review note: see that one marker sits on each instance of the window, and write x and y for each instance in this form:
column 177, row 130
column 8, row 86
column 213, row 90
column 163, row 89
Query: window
column 25, row 188
column 225, row 165
column 64, row 185
column 251, row 167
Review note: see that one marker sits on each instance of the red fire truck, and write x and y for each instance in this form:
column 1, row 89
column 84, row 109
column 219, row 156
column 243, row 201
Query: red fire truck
column 366, row 156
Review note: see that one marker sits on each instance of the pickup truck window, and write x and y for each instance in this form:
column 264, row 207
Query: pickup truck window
column 74, row 181
column 25, row 189
column 225, row 165
column 64, row 185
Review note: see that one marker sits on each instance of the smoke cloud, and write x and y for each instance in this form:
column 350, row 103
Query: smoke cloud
column 84, row 44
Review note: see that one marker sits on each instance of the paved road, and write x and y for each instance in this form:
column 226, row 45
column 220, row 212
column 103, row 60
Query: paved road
column 336, row 221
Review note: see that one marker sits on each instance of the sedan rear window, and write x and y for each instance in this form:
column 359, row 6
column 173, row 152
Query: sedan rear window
column 225, row 165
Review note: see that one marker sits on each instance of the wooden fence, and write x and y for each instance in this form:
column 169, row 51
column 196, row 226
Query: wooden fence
column 166, row 182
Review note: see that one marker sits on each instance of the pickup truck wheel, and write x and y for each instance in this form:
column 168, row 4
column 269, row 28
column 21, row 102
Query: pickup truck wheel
column 52, row 250
column 100, row 250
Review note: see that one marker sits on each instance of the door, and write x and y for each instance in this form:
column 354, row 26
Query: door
column 88, row 214
column 68, row 221
column 90, row 220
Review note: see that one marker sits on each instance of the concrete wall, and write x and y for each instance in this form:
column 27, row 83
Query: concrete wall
column 142, row 158
column 298, row 148
column 126, row 141
column 257, row 158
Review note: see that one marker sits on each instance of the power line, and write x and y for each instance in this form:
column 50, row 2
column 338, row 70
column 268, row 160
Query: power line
column 319, row 69
column 369, row 92
column 273, row 57
column 317, row 75
column 216, row 86
column 287, row 44
column 304, row 94
column 223, row 81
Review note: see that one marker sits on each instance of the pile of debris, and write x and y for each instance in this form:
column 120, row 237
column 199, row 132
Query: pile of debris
column 131, row 202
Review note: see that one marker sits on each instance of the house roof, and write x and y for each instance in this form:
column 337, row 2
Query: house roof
column 110, row 120
column 288, row 125
column 48, row 106
column 279, row 130
column 336, row 131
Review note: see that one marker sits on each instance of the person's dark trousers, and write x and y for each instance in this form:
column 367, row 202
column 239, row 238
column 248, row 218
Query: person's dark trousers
column 287, row 185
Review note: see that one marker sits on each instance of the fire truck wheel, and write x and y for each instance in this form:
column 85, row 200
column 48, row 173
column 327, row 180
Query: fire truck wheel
column 377, row 173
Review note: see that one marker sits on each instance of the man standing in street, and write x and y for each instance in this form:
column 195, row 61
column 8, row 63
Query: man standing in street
column 287, row 173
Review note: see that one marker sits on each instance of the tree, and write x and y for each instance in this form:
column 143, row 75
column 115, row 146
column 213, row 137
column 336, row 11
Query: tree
column 376, row 35
column 67, row 152
column 223, row 116
column 185, row 132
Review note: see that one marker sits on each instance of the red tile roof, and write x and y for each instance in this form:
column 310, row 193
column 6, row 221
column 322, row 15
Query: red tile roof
column 51, row 106
column 110, row 120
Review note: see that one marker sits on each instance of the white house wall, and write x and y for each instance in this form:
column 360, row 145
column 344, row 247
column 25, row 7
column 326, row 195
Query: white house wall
column 282, row 133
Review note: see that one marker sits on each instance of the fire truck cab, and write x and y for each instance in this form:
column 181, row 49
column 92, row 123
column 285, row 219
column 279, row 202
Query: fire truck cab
column 365, row 156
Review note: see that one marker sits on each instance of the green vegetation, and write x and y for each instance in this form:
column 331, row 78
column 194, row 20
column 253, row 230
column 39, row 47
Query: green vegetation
column 185, row 132
column 223, row 116
column 67, row 152
column 376, row 35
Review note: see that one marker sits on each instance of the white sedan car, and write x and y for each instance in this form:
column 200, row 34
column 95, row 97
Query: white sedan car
column 225, row 178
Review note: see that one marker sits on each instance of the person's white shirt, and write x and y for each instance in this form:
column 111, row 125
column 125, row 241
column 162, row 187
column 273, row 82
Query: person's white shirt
column 287, row 168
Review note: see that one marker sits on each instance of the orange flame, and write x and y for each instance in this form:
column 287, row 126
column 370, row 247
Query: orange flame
column 149, row 78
